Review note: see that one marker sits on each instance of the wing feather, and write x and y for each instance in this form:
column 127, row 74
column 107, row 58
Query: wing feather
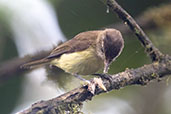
column 80, row 42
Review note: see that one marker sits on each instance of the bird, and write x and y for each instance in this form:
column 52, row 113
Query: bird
column 86, row 53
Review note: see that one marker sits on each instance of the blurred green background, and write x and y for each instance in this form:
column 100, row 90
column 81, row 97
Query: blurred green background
column 76, row 16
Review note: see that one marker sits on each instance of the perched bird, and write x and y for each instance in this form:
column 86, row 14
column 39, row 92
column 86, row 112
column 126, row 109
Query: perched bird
column 86, row 53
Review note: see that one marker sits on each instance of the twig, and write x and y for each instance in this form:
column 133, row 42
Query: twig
column 141, row 76
column 9, row 68
column 149, row 19
column 154, row 53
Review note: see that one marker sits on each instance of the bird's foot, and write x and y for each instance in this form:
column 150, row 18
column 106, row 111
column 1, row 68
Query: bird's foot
column 95, row 82
column 92, row 84
column 105, row 76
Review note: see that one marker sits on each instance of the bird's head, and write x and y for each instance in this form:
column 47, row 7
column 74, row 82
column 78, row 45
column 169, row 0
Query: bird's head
column 109, row 46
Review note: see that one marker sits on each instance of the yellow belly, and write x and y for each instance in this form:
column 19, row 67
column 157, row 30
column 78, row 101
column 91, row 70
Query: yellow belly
column 84, row 62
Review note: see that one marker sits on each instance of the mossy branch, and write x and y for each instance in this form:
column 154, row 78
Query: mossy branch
column 139, row 76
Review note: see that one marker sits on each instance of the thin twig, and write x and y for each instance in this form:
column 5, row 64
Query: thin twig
column 152, row 51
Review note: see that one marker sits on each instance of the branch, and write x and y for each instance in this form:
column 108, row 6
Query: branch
column 160, row 67
column 151, row 50
column 139, row 76
column 149, row 19
column 9, row 68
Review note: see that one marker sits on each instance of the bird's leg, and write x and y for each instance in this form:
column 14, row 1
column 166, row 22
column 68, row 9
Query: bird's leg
column 105, row 71
column 104, row 76
column 92, row 85
column 80, row 78
column 106, row 67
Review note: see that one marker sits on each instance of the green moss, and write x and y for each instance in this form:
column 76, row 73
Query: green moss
column 154, row 74
column 72, row 108
column 137, row 31
column 40, row 112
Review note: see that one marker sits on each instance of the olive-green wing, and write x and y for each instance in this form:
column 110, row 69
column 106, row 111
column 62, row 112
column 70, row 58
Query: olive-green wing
column 80, row 42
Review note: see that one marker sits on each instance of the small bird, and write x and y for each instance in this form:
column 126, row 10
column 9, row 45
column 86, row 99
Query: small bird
column 86, row 53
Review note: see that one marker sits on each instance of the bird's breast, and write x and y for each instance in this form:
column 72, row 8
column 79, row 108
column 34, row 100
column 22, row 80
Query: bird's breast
column 84, row 62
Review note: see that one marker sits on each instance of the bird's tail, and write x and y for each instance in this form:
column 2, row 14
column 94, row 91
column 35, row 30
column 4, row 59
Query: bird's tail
column 35, row 64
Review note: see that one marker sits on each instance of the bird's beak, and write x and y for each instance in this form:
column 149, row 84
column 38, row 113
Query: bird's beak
column 106, row 67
